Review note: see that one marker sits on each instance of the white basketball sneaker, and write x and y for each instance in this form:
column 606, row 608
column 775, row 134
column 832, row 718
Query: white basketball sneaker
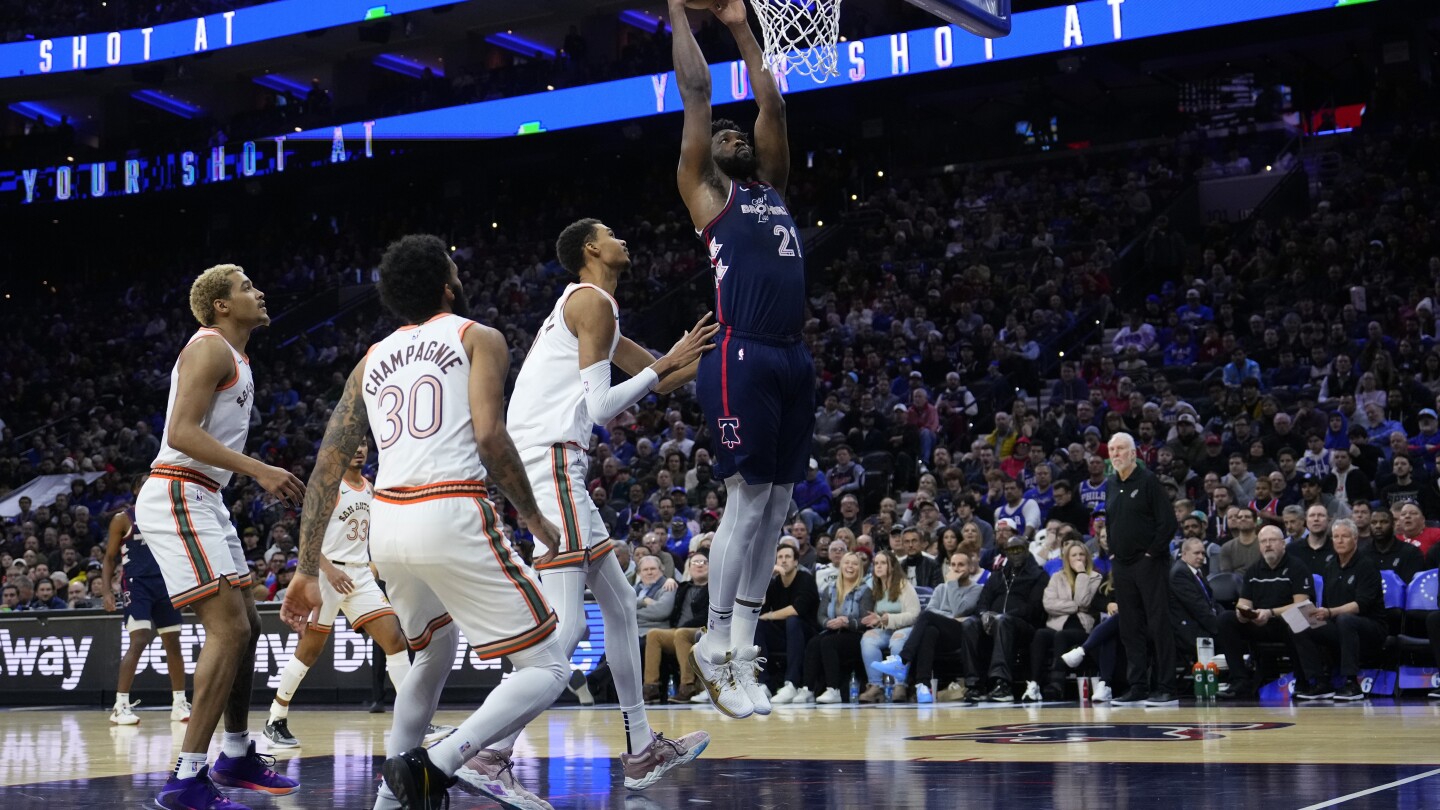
column 122, row 715
column 180, row 710
column 748, row 668
column 716, row 671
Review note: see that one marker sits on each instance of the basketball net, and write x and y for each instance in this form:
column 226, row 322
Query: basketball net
column 800, row 35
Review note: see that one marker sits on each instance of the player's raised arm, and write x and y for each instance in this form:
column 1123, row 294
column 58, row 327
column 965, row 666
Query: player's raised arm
column 701, row 185
column 772, row 141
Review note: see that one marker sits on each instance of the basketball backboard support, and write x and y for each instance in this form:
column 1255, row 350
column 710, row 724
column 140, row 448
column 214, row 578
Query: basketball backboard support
column 986, row 18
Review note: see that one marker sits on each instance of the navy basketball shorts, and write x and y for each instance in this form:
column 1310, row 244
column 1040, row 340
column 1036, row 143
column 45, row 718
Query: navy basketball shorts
column 758, row 395
column 147, row 606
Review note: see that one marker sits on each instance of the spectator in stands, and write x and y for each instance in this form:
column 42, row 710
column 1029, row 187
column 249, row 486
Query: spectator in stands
column 653, row 603
column 1193, row 612
column 846, row 475
column 1070, row 388
column 1311, row 494
column 787, row 621
column 45, row 597
column 812, row 497
column 1390, row 553
column 849, row 517
column 921, row 570
column 1292, row 518
column 687, row 616
column 1011, row 609
column 10, row 599
column 896, row 607
column 1239, row 369
column 828, row 421
column 1023, row 513
column 833, row 653
column 1410, row 523
column 1068, row 509
column 1242, row 550
column 1239, row 480
column 1353, row 616
column 1316, row 551
column 1274, row 584
column 936, row 629
column 1346, row 482
column 826, row 574
column 1073, row 604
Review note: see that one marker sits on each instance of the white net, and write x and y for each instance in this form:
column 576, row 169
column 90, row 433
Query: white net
column 800, row 35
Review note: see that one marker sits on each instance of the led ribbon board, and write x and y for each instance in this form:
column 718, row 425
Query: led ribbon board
column 1051, row 30
column 138, row 46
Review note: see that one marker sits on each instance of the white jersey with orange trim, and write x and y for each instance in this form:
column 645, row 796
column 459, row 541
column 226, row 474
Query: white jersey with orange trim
column 347, row 534
column 548, row 405
column 227, row 419
column 416, row 385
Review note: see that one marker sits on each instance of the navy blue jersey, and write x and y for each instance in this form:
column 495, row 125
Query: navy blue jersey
column 759, row 266
column 136, row 557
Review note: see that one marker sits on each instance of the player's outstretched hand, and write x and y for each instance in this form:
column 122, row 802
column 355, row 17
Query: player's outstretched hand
column 283, row 485
column 545, row 535
column 301, row 599
column 697, row 341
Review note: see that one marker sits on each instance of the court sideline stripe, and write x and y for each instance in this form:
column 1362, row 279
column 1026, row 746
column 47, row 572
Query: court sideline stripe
column 1342, row 799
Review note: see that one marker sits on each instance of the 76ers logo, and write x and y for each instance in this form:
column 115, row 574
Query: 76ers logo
column 729, row 432
column 1033, row 733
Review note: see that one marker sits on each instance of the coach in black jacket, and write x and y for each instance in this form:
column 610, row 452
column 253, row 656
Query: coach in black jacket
column 1011, row 608
column 1141, row 523
column 1192, row 605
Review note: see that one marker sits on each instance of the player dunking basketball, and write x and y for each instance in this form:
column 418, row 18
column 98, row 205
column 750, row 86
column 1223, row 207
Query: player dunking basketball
column 757, row 389
column 432, row 392
column 187, row 527
column 563, row 391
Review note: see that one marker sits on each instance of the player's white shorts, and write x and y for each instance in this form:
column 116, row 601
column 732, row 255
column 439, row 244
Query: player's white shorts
column 442, row 556
column 364, row 604
column 188, row 529
column 557, row 476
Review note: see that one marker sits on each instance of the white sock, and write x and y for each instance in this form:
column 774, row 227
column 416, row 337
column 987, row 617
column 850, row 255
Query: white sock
column 189, row 765
column 637, row 727
column 745, row 621
column 397, row 666
column 122, row 699
column 176, row 697
column 278, row 712
column 235, row 743
column 290, row 678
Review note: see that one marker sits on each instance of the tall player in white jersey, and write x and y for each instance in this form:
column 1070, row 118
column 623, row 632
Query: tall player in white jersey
column 433, row 395
column 347, row 585
column 563, row 391
column 187, row 527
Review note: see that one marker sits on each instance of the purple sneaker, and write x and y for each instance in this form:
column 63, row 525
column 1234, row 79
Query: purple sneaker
column 252, row 772
column 198, row 793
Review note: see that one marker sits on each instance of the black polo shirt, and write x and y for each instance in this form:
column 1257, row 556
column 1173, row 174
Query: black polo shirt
column 1316, row 560
column 1402, row 558
column 1357, row 582
column 1271, row 588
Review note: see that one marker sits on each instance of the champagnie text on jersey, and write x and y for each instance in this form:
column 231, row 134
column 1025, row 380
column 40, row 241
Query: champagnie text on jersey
column 432, row 351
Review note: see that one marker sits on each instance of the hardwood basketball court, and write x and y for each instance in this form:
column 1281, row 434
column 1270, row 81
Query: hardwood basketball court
column 948, row 755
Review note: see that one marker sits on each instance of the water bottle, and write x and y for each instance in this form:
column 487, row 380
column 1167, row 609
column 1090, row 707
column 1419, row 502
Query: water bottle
column 1212, row 681
column 854, row 689
column 1084, row 684
column 889, row 688
column 672, row 690
column 1198, row 672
